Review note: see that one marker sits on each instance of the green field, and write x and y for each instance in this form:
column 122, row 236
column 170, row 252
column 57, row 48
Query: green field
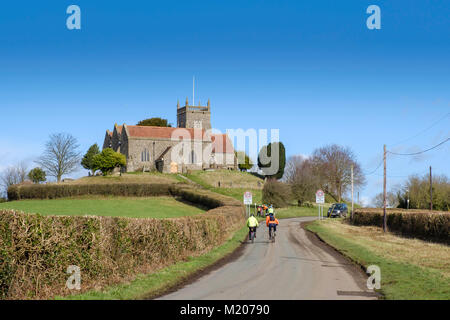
column 151, row 207
column 410, row 268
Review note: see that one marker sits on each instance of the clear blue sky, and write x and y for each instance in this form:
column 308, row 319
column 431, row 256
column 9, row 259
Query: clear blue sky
column 310, row 68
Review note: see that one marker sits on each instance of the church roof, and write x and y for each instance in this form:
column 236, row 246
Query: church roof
column 221, row 143
column 118, row 128
column 158, row 132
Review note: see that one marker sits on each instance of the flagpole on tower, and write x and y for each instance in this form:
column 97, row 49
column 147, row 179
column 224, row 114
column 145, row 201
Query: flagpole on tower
column 193, row 90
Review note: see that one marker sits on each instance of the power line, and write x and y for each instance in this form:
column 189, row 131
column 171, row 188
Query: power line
column 423, row 151
column 372, row 172
column 424, row 130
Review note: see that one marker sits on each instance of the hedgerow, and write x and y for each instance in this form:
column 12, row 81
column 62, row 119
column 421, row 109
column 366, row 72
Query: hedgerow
column 427, row 225
column 53, row 191
column 36, row 250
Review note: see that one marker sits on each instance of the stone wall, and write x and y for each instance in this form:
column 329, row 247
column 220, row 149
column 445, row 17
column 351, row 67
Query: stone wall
column 155, row 148
column 189, row 115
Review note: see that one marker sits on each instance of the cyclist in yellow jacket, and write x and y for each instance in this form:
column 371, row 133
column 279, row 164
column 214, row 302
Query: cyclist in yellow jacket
column 252, row 223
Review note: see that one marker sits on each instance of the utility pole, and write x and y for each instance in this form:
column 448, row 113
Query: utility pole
column 431, row 191
column 407, row 199
column 384, row 190
column 352, row 191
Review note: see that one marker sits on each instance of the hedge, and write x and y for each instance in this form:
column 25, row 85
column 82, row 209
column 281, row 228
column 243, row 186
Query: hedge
column 53, row 191
column 427, row 225
column 36, row 250
column 207, row 198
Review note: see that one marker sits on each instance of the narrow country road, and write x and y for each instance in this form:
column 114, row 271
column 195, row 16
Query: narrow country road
column 296, row 266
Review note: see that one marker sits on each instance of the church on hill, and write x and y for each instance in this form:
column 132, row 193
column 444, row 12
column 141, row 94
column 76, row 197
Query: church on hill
column 189, row 146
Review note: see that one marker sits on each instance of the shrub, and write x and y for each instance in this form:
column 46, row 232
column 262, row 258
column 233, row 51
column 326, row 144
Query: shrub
column 308, row 204
column 422, row 224
column 108, row 160
column 276, row 193
column 37, row 175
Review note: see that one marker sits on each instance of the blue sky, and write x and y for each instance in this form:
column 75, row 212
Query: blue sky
column 310, row 68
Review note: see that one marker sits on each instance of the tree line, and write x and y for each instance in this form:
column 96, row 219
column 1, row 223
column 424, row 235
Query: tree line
column 61, row 157
column 415, row 194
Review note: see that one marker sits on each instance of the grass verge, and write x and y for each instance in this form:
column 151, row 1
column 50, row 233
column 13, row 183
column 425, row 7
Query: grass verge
column 294, row 211
column 154, row 284
column 135, row 207
column 410, row 268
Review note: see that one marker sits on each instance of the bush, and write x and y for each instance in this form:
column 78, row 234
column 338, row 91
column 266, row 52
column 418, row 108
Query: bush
column 2, row 200
column 422, row 224
column 108, row 160
column 308, row 204
column 276, row 193
column 37, row 175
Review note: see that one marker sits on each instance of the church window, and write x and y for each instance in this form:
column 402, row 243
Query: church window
column 145, row 156
column 193, row 157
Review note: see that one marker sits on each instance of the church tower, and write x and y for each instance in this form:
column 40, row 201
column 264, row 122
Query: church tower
column 194, row 116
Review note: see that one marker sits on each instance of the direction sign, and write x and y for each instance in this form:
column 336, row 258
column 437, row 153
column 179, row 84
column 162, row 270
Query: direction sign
column 320, row 196
column 248, row 197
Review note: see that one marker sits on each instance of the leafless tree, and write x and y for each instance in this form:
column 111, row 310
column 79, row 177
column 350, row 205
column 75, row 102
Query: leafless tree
column 60, row 156
column 332, row 165
column 391, row 200
column 13, row 175
column 292, row 165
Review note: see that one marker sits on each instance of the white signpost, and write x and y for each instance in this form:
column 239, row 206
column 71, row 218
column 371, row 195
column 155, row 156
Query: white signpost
column 248, row 200
column 320, row 200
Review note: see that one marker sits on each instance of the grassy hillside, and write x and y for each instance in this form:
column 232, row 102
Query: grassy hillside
column 410, row 268
column 136, row 177
column 154, row 207
column 232, row 183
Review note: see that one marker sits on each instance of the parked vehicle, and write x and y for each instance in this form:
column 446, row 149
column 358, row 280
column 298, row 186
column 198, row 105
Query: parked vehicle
column 337, row 210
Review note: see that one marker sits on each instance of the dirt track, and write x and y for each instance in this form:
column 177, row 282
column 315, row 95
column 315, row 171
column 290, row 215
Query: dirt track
column 296, row 266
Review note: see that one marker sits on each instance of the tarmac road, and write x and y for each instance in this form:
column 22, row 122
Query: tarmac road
column 296, row 266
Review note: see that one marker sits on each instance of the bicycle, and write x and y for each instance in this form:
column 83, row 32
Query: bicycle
column 272, row 234
column 251, row 236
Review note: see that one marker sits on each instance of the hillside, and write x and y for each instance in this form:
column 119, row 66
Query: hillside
column 230, row 183
column 136, row 177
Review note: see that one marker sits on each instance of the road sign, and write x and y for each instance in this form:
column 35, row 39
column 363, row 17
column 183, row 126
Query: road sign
column 248, row 197
column 320, row 196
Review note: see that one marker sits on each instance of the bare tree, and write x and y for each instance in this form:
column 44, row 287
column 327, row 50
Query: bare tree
column 60, row 156
column 292, row 165
column 332, row 164
column 391, row 200
column 301, row 177
column 14, row 175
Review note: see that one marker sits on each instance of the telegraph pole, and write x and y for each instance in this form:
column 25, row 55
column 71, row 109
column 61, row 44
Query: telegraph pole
column 352, row 192
column 431, row 191
column 384, row 190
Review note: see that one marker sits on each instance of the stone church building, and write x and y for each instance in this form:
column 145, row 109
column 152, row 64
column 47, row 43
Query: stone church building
column 189, row 146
